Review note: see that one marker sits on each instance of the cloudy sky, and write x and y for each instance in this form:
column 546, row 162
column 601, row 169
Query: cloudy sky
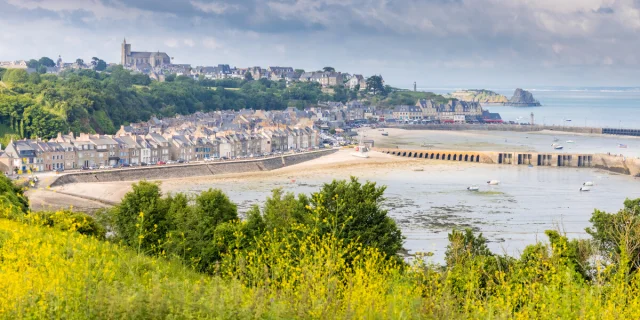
column 438, row 43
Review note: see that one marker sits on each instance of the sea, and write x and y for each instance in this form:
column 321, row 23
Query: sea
column 428, row 203
column 601, row 107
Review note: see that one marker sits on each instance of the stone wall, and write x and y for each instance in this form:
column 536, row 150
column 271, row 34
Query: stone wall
column 617, row 164
column 189, row 170
column 496, row 127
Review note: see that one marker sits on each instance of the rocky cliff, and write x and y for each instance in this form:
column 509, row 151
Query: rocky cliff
column 479, row 95
column 522, row 98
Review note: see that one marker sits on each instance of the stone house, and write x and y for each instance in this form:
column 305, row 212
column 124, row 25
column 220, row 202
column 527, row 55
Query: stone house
column 357, row 80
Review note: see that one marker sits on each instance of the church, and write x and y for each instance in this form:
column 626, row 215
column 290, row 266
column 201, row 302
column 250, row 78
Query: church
column 142, row 59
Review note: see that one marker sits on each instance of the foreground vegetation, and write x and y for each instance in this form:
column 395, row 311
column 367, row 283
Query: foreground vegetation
column 331, row 254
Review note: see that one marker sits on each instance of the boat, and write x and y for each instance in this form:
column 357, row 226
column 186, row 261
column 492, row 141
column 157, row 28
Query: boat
column 386, row 134
column 361, row 149
column 493, row 182
column 624, row 146
column 425, row 145
column 585, row 188
column 556, row 146
column 556, row 139
column 473, row 188
column 418, row 169
column 570, row 141
column 588, row 184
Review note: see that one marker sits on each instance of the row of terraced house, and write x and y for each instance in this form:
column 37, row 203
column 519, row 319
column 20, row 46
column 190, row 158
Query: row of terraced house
column 68, row 151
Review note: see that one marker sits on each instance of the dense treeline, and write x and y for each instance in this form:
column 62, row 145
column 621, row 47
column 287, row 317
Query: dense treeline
column 331, row 254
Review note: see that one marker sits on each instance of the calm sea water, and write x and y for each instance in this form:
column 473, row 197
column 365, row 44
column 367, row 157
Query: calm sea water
column 427, row 205
column 595, row 107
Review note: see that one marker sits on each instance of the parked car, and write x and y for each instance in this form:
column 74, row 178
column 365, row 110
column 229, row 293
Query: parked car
column 85, row 168
column 125, row 165
column 161, row 162
column 143, row 164
column 180, row 161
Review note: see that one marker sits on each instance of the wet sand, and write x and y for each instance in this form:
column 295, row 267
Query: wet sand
column 538, row 141
column 340, row 163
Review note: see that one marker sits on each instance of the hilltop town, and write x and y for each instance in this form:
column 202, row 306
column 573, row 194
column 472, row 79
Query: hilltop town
column 196, row 133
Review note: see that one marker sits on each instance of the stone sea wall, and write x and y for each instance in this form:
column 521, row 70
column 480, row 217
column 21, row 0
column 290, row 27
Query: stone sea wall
column 189, row 170
column 618, row 164
column 496, row 127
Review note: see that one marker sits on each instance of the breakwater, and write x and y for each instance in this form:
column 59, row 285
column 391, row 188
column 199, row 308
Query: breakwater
column 616, row 164
column 190, row 170
column 495, row 127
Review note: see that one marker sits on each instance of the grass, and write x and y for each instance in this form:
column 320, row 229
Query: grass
column 48, row 273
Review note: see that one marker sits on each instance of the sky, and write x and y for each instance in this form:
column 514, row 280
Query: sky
column 437, row 43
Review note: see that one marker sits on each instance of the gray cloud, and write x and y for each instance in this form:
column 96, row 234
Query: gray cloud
column 437, row 41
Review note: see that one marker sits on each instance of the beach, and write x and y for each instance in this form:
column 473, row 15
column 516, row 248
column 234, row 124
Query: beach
column 426, row 198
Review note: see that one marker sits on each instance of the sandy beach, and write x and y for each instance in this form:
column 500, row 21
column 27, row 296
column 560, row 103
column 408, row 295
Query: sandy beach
column 340, row 163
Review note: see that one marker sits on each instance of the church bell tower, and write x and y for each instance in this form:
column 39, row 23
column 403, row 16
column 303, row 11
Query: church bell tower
column 125, row 52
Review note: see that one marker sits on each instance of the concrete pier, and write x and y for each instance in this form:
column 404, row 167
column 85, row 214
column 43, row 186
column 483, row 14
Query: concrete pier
column 544, row 159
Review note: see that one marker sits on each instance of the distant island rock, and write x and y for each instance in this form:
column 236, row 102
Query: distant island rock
column 479, row 95
column 522, row 98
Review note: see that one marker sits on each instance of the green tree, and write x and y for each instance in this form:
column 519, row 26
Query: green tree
column 615, row 233
column 42, row 69
column 464, row 245
column 47, row 62
column 203, row 232
column 33, row 64
column 375, row 84
column 329, row 69
column 354, row 212
column 248, row 76
column 98, row 64
column 141, row 219
column 298, row 72
column 15, row 76
column 80, row 62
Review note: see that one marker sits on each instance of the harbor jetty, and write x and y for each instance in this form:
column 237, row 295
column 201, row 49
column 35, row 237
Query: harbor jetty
column 612, row 163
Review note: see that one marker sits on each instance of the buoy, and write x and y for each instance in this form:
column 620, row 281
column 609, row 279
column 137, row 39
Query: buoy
column 588, row 184
column 493, row 182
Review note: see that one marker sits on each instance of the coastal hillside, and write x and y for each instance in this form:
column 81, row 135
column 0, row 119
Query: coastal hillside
column 478, row 95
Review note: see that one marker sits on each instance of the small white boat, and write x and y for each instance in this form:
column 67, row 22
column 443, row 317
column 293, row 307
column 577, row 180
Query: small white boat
column 622, row 145
column 361, row 149
column 556, row 146
column 585, row 188
column 570, row 141
column 493, row 182
column 385, row 134
column 361, row 152
column 473, row 188
column 588, row 184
